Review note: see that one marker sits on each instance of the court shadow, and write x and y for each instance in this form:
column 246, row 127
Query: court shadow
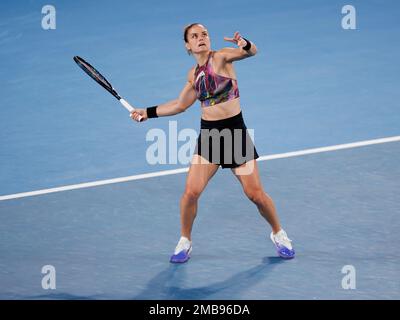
column 53, row 296
column 166, row 284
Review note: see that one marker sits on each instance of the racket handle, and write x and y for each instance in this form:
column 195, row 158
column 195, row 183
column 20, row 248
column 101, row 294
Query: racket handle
column 129, row 107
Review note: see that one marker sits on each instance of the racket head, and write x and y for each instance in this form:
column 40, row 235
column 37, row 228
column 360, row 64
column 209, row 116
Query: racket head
column 96, row 75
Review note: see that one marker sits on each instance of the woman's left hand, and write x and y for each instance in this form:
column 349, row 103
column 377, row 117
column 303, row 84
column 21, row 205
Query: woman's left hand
column 237, row 39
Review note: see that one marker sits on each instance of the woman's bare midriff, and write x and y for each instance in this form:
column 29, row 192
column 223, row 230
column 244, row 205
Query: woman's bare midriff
column 221, row 110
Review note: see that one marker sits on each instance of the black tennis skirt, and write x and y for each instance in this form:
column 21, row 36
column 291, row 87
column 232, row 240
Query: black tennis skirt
column 226, row 142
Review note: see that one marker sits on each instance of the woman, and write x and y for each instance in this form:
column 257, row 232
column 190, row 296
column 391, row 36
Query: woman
column 213, row 82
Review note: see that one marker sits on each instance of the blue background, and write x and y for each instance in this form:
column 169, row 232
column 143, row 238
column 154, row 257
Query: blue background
column 312, row 84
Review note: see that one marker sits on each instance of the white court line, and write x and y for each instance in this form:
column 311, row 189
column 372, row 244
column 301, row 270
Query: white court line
column 181, row 170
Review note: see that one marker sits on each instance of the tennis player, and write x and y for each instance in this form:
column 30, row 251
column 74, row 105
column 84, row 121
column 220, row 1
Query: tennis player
column 213, row 82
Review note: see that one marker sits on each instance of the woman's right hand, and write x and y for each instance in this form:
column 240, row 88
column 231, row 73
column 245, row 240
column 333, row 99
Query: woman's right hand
column 139, row 113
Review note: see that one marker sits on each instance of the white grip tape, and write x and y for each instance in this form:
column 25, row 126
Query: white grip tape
column 128, row 106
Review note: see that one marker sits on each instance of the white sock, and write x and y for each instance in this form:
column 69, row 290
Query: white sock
column 183, row 244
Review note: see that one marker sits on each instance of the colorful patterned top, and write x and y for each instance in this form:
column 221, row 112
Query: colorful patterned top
column 212, row 88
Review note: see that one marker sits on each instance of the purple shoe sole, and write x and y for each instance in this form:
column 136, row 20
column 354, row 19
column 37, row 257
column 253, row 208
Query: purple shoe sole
column 282, row 251
column 181, row 257
column 285, row 253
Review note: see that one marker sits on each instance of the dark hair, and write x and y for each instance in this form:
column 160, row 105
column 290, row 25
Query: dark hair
column 187, row 28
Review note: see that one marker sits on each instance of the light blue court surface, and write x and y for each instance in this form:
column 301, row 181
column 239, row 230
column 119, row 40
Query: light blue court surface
column 312, row 84
column 115, row 241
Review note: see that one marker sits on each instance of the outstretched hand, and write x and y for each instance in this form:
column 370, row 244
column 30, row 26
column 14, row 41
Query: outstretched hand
column 139, row 115
column 237, row 39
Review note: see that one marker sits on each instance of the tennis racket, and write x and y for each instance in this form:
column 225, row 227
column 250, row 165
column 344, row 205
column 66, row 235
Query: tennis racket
column 99, row 78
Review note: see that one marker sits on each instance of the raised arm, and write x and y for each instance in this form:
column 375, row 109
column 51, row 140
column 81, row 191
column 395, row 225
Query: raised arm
column 245, row 49
column 186, row 98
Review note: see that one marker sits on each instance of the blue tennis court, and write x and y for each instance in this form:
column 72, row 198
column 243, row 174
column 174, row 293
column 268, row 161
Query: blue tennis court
column 312, row 85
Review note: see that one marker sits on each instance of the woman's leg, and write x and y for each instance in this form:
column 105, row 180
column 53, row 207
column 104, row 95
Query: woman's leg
column 200, row 172
column 252, row 187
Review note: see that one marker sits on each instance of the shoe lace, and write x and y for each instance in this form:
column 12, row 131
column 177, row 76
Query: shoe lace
column 181, row 245
column 282, row 238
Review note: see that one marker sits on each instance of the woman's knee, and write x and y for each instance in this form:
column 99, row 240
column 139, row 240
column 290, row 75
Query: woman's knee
column 191, row 194
column 256, row 195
